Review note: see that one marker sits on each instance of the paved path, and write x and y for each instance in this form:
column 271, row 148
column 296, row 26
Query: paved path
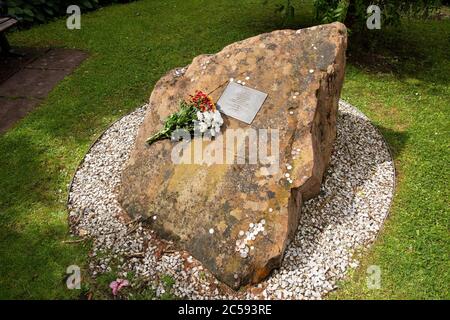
column 25, row 82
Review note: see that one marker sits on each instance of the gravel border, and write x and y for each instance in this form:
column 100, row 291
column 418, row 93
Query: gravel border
column 343, row 220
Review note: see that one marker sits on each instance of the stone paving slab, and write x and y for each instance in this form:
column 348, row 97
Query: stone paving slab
column 24, row 82
column 34, row 83
column 67, row 59
column 11, row 65
column 12, row 110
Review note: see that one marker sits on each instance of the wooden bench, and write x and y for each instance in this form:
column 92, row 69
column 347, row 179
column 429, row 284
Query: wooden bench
column 5, row 24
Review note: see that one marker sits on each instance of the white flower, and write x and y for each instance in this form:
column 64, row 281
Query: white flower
column 207, row 118
column 217, row 118
column 202, row 127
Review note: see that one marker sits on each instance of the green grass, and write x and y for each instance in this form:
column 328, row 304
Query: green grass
column 407, row 95
column 403, row 87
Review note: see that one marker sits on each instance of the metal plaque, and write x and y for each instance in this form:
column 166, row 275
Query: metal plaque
column 241, row 102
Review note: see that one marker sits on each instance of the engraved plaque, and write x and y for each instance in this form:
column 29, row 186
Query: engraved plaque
column 240, row 102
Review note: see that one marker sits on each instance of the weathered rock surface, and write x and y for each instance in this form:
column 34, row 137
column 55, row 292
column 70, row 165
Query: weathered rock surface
column 206, row 209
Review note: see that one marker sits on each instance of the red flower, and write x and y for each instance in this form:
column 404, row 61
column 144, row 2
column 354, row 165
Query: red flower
column 202, row 101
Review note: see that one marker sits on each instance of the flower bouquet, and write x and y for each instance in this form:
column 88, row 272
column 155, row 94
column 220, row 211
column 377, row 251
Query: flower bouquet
column 198, row 113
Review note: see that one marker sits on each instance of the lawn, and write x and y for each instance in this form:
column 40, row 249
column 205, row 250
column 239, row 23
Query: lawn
column 402, row 84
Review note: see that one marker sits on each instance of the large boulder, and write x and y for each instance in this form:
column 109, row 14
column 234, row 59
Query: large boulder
column 209, row 210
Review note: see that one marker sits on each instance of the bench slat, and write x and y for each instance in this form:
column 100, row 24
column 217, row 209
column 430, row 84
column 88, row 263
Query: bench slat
column 7, row 23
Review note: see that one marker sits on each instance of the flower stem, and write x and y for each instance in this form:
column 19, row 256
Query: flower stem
column 160, row 135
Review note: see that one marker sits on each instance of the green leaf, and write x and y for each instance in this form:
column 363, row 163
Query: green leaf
column 87, row 4
column 28, row 12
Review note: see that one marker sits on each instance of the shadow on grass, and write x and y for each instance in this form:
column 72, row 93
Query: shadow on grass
column 33, row 257
column 413, row 50
column 23, row 173
column 396, row 140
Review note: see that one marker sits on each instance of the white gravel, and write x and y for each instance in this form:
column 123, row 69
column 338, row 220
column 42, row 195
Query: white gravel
column 344, row 219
